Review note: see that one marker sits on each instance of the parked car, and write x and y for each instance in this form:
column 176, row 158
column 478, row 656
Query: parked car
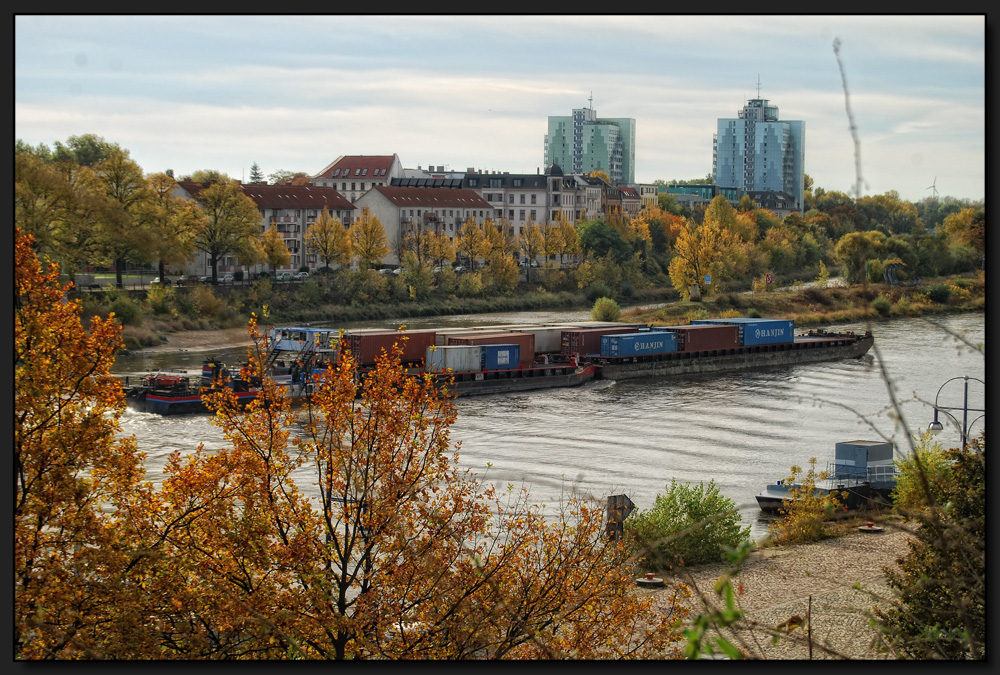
column 301, row 276
column 459, row 269
column 284, row 276
column 385, row 270
column 226, row 279
column 399, row 270
column 165, row 281
column 205, row 279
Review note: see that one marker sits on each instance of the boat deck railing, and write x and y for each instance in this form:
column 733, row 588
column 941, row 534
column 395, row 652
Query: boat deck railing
column 850, row 475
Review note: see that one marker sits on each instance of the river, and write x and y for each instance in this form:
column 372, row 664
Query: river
column 633, row 437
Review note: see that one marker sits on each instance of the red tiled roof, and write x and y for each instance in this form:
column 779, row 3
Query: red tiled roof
column 432, row 197
column 297, row 197
column 285, row 196
column 358, row 167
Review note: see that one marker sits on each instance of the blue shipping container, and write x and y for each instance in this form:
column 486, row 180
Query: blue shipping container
column 501, row 357
column 639, row 344
column 758, row 331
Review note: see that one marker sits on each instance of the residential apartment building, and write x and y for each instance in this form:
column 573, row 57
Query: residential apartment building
column 584, row 142
column 353, row 175
column 408, row 210
column 757, row 152
column 291, row 209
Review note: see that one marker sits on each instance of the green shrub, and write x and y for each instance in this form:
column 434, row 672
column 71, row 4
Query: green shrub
column 806, row 508
column 605, row 309
column 127, row 312
column 929, row 461
column 754, row 313
column 882, row 305
column 687, row 526
column 597, row 289
column 939, row 293
column 626, row 290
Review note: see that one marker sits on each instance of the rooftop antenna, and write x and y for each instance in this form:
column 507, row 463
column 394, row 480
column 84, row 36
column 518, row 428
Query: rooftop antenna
column 933, row 188
column 758, row 85
column 591, row 100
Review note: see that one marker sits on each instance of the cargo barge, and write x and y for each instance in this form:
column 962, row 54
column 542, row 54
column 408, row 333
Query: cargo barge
column 514, row 358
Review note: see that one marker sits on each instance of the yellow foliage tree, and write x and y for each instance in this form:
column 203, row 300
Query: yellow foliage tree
column 273, row 248
column 329, row 240
column 368, row 240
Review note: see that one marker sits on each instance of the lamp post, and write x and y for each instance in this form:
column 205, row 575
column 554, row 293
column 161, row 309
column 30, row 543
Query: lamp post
column 936, row 427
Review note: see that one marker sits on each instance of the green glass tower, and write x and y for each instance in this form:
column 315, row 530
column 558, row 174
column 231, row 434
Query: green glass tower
column 583, row 142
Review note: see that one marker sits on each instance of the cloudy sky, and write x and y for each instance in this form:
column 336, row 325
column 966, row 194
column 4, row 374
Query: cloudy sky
column 295, row 92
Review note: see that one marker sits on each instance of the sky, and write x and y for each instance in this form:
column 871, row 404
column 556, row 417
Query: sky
column 295, row 92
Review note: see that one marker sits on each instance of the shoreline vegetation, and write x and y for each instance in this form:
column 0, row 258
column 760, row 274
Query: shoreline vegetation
column 808, row 305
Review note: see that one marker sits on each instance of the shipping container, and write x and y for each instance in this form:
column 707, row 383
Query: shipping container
column 588, row 340
column 705, row 337
column 366, row 347
column 501, row 357
column 548, row 339
column 526, row 341
column 758, row 331
column 456, row 358
column 642, row 343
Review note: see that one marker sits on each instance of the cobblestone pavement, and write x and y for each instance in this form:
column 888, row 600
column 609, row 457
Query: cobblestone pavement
column 844, row 578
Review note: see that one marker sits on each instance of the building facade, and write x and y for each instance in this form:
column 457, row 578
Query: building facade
column 291, row 209
column 584, row 142
column 757, row 152
column 409, row 210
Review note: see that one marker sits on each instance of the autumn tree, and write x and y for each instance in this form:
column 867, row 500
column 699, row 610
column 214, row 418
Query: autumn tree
column 531, row 245
column 58, row 204
column 122, row 233
column 272, row 245
column 231, row 222
column 172, row 223
column 368, row 240
column 329, row 240
column 699, row 250
column 855, row 249
column 69, row 470
column 471, row 241
column 440, row 248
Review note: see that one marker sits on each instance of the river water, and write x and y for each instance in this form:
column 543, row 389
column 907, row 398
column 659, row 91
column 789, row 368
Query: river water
column 633, row 437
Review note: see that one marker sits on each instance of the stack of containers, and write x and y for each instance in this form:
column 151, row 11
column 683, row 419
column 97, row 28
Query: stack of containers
column 705, row 337
column 757, row 331
column 588, row 340
column 643, row 343
column 525, row 341
column 548, row 339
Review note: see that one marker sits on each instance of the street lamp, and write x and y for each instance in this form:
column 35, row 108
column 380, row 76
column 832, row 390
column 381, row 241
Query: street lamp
column 936, row 427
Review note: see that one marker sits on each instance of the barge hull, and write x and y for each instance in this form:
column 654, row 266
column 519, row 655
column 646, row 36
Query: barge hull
column 733, row 360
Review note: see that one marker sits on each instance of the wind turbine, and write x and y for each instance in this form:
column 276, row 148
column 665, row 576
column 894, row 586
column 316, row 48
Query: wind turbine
column 933, row 186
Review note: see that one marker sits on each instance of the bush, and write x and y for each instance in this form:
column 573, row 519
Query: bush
column 687, row 526
column 939, row 293
column 126, row 311
column 806, row 508
column 939, row 611
column 597, row 289
column 882, row 305
column 929, row 461
column 754, row 313
column 605, row 309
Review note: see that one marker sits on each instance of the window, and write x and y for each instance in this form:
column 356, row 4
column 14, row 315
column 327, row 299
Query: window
column 336, row 172
column 511, row 216
column 534, row 216
column 533, row 197
column 522, row 198
column 522, row 214
column 511, row 200
column 365, row 172
column 357, row 172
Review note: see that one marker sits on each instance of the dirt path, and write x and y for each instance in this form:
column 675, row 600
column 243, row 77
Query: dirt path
column 191, row 340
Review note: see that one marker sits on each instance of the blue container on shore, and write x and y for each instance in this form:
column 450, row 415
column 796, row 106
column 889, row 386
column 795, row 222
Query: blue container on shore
column 501, row 357
column 645, row 343
column 758, row 331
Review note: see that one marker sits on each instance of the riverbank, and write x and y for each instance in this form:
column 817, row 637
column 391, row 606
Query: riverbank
column 835, row 582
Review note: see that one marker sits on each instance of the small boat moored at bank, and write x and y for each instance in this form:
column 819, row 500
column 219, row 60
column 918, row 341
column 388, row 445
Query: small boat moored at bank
column 863, row 474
